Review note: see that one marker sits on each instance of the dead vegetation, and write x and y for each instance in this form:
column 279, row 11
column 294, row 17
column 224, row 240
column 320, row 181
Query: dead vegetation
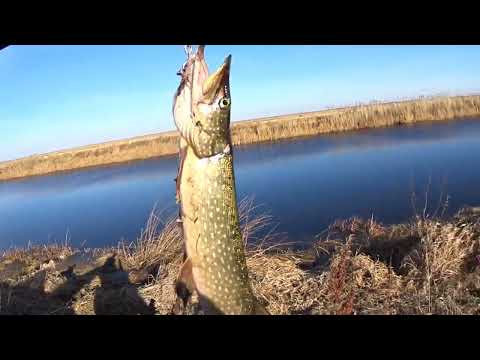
column 356, row 117
column 113, row 152
column 371, row 115
column 153, row 248
column 437, row 267
column 426, row 266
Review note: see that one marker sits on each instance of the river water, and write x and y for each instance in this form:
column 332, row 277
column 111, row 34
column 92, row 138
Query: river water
column 304, row 183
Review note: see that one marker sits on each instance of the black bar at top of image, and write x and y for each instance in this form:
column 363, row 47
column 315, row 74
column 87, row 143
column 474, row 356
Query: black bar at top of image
column 298, row 37
column 180, row 23
column 329, row 22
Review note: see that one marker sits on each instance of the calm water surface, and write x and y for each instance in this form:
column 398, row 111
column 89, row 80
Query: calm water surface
column 305, row 184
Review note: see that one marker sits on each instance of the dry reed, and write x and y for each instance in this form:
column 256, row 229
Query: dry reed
column 153, row 247
column 251, row 131
column 438, row 270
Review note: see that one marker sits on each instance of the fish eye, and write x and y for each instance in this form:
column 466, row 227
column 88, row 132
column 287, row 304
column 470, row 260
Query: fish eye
column 224, row 103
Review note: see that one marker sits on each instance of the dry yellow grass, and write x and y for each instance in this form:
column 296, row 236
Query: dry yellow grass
column 251, row 131
column 92, row 155
column 426, row 266
column 437, row 272
column 355, row 117
column 153, row 247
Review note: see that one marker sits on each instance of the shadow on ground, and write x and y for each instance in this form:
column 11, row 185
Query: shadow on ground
column 102, row 290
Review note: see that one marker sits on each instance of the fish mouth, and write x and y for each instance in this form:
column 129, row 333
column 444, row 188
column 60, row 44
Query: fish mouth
column 217, row 85
column 198, row 87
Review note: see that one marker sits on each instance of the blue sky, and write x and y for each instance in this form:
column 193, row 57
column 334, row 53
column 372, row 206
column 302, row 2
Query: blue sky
column 56, row 97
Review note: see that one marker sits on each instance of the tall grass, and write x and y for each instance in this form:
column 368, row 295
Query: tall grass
column 94, row 155
column 356, row 117
column 437, row 272
column 153, row 246
column 252, row 131
column 162, row 241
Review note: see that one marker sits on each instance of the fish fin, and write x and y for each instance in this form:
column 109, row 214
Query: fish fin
column 259, row 309
column 182, row 153
column 185, row 285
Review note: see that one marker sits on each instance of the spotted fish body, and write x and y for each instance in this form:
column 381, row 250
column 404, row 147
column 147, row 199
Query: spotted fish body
column 207, row 194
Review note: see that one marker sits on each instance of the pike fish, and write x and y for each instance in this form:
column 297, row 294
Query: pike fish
column 215, row 264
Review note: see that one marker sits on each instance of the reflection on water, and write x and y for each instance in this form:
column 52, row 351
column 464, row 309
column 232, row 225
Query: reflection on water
column 306, row 184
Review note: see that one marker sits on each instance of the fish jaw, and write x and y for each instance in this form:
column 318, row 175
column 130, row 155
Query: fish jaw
column 202, row 105
column 217, row 85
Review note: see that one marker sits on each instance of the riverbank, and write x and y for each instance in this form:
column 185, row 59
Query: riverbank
column 425, row 266
column 251, row 131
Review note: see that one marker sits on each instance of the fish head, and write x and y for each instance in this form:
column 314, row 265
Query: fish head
column 202, row 105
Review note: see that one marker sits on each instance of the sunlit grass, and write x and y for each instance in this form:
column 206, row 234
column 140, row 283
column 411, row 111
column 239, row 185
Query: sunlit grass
column 252, row 131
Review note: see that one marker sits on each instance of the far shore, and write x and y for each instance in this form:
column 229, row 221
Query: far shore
column 269, row 129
